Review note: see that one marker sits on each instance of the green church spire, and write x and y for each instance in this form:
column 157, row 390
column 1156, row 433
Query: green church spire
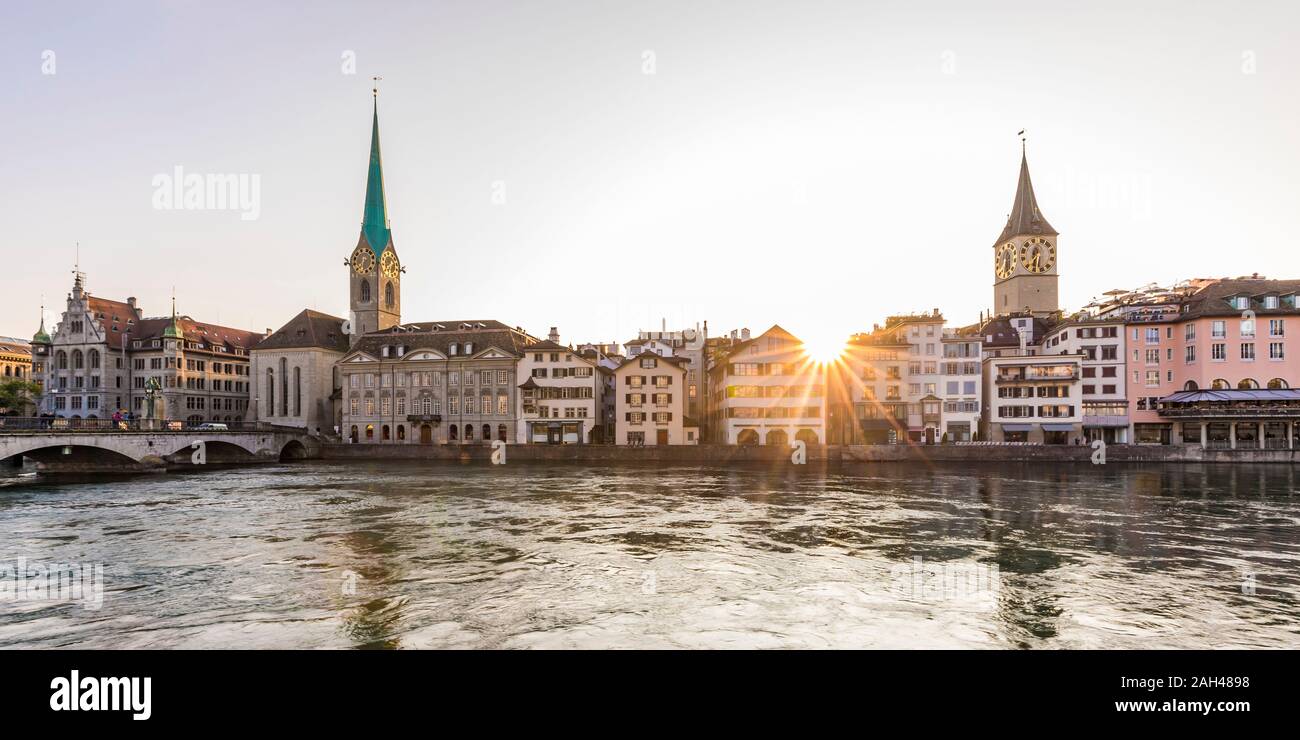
column 41, row 337
column 173, row 330
column 374, row 224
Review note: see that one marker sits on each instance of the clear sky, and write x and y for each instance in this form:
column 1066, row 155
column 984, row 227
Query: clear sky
column 813, row 164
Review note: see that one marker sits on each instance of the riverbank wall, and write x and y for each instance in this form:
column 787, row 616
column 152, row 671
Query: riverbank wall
column 724, row 455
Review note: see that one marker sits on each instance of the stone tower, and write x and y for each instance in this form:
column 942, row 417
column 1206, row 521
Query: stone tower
column 374, row 272
column 1024, row 256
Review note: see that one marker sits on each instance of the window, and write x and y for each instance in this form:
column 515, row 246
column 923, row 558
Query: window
column 365, row 291
column 1190, row 355
column 1153, row 335
column 1247, row 328
column 1219, row 329
column 1275, row 351
column 1153, row 378
column 1248, row 351
column 388, row 295
column 1270, row 301
column 1219, row 351
column 1189, row 332
column 1276, row 328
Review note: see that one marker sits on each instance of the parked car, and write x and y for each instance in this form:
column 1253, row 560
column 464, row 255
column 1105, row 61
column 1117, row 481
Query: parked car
column 212, row 426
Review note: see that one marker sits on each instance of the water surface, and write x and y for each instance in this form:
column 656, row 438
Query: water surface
column 405, row 554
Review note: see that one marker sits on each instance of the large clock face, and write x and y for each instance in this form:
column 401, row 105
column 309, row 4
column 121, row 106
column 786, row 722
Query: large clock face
column 363, row 261
column 1037, row 254
column 1005, row 261
column 388, row 263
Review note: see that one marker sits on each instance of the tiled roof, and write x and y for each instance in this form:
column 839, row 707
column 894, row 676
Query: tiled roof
column 308, row 329
column 426, row 335
column 1212, row 300
column 196, row 331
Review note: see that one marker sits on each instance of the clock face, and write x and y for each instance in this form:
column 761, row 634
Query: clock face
column 363, row 261
column 1038, row 254
column 388, row 263
column 1005, row 262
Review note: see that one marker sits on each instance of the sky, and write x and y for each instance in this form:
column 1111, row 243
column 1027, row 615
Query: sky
column 607, row 166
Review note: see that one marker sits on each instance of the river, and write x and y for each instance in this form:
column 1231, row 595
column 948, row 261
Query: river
column 405, row 554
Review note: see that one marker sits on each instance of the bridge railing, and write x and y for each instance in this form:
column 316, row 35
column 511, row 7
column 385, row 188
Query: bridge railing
column 46, row 425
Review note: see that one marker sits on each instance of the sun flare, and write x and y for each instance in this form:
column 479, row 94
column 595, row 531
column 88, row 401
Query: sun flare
column 824, row 350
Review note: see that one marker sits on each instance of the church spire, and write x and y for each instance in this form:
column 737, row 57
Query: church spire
column 374, row 223
column 41, row 337
column 1025, row 218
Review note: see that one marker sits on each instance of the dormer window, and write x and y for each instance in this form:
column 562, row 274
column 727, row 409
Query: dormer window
column 1241, row 302
column 1270, row 301
column 452, row 349
column 469, row 348
column 383, row 352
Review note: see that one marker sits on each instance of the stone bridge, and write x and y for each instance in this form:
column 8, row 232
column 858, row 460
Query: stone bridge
column 86, row 451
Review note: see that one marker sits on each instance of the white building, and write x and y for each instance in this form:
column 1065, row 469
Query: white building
column 562, row 396
column 1102, row 386
column 961, row 384
column 649, row 404
column 767, row 391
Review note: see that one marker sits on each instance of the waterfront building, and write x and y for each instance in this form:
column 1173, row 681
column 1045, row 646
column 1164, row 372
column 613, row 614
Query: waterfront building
column 1028, row 395
column 15, row 358
column 1213, row 367
column 1103, row 385
column 961, row 381
column 295, row 373
column 767, row 391
column 435, row 382
column 1024, row 256
column 923, row 334
column 649, row 403
column 104, row 355
column 870, row 379
column 561, row 394
column 688, row 344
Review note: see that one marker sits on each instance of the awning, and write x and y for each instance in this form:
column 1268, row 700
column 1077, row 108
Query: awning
column 1260, row 394
column 1016, row 427
column 1058, row 427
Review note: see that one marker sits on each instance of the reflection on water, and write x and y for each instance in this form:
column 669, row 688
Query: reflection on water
column 413, row 555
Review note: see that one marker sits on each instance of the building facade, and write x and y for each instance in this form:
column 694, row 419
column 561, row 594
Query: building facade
column 1103, row 374
column 767, row 391
column 561, row 395
column 105, row 357
column 295, row 374
column 649, row 406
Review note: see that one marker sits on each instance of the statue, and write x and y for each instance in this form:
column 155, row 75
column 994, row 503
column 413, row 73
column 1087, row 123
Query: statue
column 151, row 390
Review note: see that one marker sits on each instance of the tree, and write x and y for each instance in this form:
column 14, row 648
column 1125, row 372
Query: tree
column 17, row 396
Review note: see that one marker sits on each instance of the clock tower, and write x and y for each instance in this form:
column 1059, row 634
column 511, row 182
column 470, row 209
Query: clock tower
column 1024, row 256
column 374, row 272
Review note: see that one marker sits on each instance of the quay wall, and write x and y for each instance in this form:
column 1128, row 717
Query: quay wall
column 723, row 455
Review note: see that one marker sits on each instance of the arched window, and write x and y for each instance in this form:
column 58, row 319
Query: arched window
column 78, row 362
column 401, row 432
column 1277, row 384
column 388, row 295
column 451, row 432
column 94, row 359
column 1190, row 386
column 1219, row 384
column 284, row 386
column 365, row 291
column 469, row 348
column 452, row 349
column 1248, row 384
column 353, row 435
column 384, row 435
column 501, row 432
column 469, row 432
column 487, row 432
column 61, row 359
column 270, row 392
column 297, row 391
column 370, row 432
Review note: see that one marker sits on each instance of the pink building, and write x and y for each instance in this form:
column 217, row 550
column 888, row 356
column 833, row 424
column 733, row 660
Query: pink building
column 1216, row 368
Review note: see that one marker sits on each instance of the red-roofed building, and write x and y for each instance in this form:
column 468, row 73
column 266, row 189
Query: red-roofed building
column 103, row 354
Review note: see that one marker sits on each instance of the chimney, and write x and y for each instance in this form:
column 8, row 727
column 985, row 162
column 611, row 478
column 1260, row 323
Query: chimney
column 554, row 336
column 744, row 334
